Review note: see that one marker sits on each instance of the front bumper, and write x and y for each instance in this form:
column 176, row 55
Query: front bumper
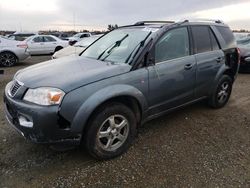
column 47, row 126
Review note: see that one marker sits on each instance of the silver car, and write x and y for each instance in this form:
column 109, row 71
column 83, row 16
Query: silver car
column 11, row 52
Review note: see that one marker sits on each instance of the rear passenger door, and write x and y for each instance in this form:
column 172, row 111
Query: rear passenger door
column 209, row 58
column 172, row 78
column 36, row 45
column 50, row 44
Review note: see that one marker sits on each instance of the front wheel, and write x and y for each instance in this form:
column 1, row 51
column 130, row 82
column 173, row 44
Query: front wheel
column 8, row 59
column 222, row 92
column 110, row 131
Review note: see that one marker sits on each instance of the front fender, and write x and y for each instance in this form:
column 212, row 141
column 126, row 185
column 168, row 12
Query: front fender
column 100, row 97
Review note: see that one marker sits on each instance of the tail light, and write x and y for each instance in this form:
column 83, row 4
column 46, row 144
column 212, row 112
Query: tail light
column 238, row 52
column 22, row 45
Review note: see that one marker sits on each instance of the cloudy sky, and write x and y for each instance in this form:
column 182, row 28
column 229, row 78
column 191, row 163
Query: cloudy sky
column 34, row 15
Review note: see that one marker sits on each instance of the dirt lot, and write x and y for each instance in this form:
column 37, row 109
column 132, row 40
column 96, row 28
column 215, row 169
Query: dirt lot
column 193, row 147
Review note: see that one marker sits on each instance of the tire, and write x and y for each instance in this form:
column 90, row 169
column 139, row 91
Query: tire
column 110, row 131
column 222, row 92
column 8, row 59
column 58, row 48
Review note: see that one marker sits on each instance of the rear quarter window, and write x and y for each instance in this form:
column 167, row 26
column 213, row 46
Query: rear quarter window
column 227, row 35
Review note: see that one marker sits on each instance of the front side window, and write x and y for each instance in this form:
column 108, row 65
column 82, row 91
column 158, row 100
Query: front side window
column 174, row 44
column 118, row 46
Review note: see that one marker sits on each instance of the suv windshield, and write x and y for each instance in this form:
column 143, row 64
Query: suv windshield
column 117, row 45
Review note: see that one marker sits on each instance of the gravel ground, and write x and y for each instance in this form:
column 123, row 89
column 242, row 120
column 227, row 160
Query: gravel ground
column 193, row 147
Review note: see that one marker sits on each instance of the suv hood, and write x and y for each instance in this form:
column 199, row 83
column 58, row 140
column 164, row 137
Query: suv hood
column 69, row 73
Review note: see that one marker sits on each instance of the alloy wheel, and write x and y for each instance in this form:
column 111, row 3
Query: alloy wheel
column 113, row 132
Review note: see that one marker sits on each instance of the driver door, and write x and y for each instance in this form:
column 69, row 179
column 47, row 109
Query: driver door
column 172, row 78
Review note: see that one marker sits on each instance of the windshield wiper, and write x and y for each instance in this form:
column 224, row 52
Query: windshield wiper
column 111, row 47
column 136, row 49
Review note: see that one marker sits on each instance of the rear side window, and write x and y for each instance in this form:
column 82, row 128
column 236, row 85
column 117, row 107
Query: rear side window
column 215, row 45
column 227, row 35
column 201, row 39
column 49, row 39
column 38, row 39
column 204, row 39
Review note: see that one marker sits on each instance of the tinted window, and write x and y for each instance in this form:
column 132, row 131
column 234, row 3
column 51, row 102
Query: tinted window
column 84, row 35
column 227, row 35
column 214, row 42
column 49, row 39
column 201, row 39
column 174, row 44
column 38, row 39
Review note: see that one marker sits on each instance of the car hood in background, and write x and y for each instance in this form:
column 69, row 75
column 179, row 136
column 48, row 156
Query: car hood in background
column 69, row 73
column 70, row 50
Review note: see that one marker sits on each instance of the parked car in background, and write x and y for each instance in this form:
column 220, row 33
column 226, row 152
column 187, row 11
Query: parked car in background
column 244, row 42
column 63, row 36
column 77, row 48
column 245, row 59
column 20, row 36
column 239, row 36
column 77, row 37
column 11, row 52
column 45, row 44
column 126, row 78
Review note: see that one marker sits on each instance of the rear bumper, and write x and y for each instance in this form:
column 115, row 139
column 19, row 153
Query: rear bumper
column 46, row 127
column 23, row 55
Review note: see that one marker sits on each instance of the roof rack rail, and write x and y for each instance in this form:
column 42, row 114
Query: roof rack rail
column 206, row 20
column 153, row 22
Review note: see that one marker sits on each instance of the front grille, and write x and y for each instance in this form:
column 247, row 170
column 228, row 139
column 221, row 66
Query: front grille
column 14, row 88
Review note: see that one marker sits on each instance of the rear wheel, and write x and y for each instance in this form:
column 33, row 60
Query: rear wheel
column 111, row 131
column 8, row 59
column 222, row 92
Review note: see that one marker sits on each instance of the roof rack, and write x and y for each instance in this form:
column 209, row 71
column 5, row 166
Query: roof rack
column 153, row 22
column 206, row 20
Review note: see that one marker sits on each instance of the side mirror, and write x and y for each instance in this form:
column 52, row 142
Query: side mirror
column 247, row 59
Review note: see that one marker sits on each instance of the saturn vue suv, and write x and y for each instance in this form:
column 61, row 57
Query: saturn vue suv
column 127, row 77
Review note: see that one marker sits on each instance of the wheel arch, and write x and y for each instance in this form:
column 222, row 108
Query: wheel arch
column 9, row 51
column 58, row 47
column 224, row 70
column 124, row 94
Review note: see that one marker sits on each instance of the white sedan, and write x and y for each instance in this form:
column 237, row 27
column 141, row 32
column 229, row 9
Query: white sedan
column 12, row 51
column 77, row 48
column 44, row 44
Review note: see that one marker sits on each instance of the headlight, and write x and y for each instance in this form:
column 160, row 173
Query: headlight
column 44, row 96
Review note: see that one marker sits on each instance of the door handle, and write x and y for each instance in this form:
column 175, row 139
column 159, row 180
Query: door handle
column 219, row 59
column 188, row 66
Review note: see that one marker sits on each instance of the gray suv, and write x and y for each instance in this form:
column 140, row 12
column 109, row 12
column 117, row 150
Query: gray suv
column 127, row 77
